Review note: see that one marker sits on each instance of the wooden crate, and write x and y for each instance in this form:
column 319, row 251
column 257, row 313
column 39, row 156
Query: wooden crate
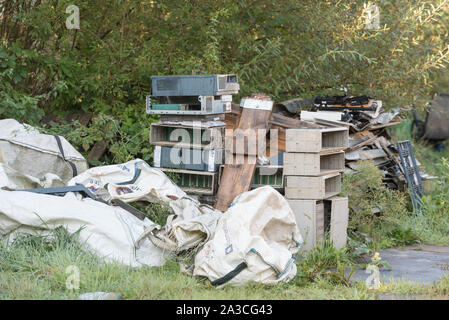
column 323, row 187
column 309, row 216
column 194, row 182
column 164, row 134
column 321, row 140
column 313, row 164
column 338, row 210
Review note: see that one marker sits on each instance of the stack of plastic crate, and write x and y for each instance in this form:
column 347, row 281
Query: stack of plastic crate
column 189, row 139
column 313, row 163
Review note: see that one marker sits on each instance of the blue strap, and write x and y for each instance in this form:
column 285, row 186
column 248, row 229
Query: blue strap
column 227, row 277
column 242, row 266
column 72, row 165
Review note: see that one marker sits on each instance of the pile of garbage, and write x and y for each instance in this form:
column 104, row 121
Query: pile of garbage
column 45, row 184
column 368, row 140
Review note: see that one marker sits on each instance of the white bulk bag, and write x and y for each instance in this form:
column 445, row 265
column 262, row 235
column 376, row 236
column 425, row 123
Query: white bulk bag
column 10, row 179
column 255, row 240
column 110, row 232
column 192, row 222
column 27, row 151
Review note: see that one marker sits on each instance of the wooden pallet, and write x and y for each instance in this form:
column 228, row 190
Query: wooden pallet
column 317, row 140
column 312, row 188
column 312, row 216
column 313, row 164
column 309, row 216
column 338, row 210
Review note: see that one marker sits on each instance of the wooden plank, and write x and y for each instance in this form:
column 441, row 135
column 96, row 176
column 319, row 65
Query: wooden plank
column 372, row 154
column 97, row 151
column 361, row 139
column 237, row 178
column 301, row 187
column 277, row 121
column 381, row 126
column 334, row 123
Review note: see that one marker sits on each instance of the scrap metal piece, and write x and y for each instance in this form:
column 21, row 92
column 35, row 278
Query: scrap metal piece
column 61, row 191
column 81, row 189
column 293, row 105
column 361, row 103
column 411, row 172
column 135, row 212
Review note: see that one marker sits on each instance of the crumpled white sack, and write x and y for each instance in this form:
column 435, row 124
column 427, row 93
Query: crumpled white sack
column 29, row 152
column 110, row 232
column 192, row 222
column 259, row 229
column 11, row 179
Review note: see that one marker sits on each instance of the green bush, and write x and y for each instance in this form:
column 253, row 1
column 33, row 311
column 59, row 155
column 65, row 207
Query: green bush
column 372, row 204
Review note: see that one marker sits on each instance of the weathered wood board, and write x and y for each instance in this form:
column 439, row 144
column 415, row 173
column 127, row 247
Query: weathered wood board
column 237, row 177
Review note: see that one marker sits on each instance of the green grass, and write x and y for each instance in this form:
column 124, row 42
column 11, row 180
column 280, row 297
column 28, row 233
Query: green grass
column 431, row 223
column 35, row 268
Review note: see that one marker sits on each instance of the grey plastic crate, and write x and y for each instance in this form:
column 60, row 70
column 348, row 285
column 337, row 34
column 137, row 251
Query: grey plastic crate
column 204, row 137
column 194, row 182
column 266, row 175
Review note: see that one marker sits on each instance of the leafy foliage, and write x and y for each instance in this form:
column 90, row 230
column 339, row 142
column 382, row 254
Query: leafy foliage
column 283, row 48
column 318, row 263
column 377, row 213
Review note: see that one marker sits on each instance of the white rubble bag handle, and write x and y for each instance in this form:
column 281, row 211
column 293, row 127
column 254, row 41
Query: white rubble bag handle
column 242, row 266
